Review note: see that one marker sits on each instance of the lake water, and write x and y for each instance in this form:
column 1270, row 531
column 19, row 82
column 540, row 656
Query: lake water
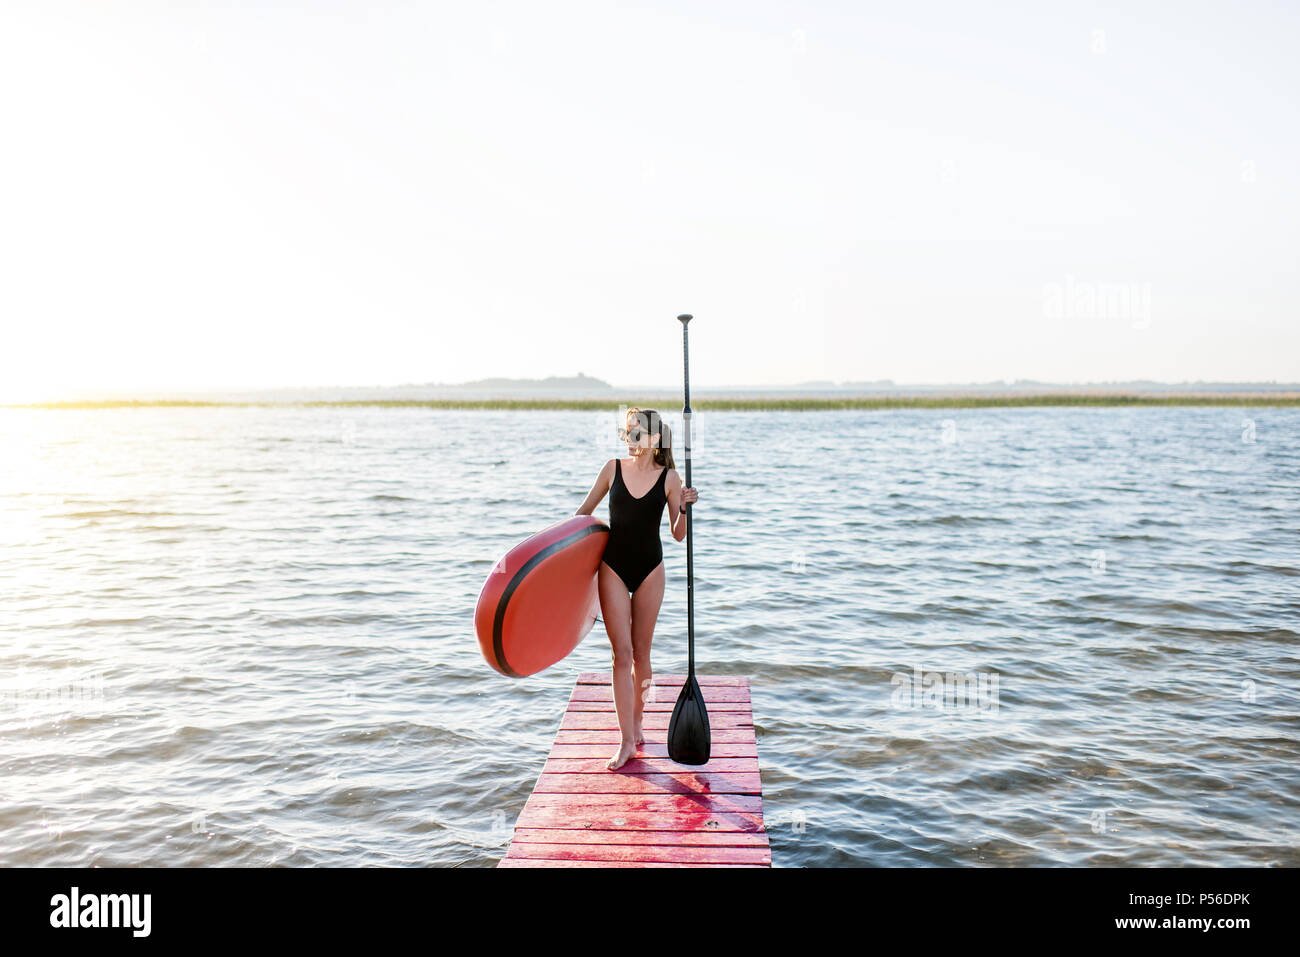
column 244, row 636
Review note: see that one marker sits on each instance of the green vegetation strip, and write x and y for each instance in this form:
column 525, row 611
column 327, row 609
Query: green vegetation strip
column 746, row 405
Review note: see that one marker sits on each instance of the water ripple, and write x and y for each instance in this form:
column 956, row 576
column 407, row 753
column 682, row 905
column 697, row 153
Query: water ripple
column 1049, row 637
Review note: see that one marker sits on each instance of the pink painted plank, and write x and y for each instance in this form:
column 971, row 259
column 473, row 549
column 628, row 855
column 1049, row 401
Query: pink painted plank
column 712, row 694
column 653, row 720
column 541, row 862
column 595, row 764
column 697, row 854
column 666, row 706
column 660, row 703
column 665, row 801
column 566, row 818
column 680, row 782
column 721, row 736
column 650, row 751
column 562, row 835
column 603, row 678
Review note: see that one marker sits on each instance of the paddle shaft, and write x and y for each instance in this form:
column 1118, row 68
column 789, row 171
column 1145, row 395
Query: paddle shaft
column 686, row 508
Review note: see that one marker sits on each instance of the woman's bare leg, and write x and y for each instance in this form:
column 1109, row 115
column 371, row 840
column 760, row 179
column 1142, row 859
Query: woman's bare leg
column 645, row 612
column 616, row 612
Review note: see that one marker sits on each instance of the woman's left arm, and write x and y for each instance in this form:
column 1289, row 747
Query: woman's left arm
column 677, row 497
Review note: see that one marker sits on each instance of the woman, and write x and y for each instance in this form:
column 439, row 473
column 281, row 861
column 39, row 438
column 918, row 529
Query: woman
column 633, row 560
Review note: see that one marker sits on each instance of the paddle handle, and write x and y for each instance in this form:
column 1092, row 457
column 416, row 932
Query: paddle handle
column 686, row 507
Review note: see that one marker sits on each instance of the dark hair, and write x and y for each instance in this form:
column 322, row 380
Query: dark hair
column 652, row 422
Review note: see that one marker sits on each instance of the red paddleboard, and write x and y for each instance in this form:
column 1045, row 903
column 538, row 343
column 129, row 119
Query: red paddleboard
column 540, row 599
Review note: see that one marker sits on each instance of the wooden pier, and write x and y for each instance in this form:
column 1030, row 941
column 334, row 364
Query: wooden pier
column 651, row 812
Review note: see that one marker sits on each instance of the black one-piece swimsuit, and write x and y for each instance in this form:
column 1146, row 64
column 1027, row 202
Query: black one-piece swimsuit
column 633, row 549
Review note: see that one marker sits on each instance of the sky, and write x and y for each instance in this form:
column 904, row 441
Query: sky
column 221, row 194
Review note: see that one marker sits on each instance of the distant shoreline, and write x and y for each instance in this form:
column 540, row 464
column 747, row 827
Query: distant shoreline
column 736, row 404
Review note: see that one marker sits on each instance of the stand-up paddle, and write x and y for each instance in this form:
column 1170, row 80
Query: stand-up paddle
column 688, row 729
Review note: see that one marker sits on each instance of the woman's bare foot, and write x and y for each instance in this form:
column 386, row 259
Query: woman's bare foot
column 640, row 738
column 625, row 751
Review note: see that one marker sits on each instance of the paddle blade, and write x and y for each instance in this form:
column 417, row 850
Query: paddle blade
column 688, row 729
